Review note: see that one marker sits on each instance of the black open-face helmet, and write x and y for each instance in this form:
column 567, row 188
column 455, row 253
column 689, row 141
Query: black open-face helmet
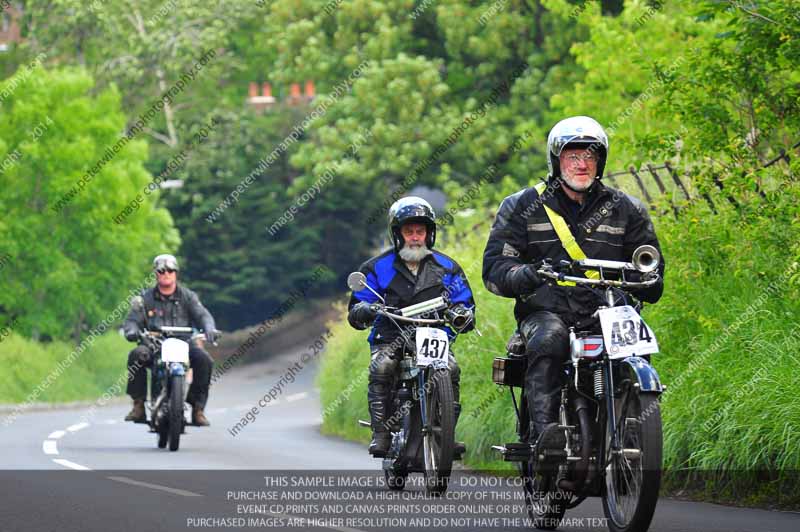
column 411, row 209
column 577, row 132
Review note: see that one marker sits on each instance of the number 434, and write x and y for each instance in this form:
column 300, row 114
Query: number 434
column 626, row 333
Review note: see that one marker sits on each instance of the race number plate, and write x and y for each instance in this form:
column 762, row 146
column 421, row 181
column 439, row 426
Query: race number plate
column 175, row 350
column 625, row 333
column 432, row 345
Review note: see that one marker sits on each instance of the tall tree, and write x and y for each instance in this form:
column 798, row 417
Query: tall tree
column 70, row 266
column 145, row 47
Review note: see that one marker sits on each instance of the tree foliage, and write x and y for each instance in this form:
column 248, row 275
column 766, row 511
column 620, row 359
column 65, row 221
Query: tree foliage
column 68, row 269
column 411, row 93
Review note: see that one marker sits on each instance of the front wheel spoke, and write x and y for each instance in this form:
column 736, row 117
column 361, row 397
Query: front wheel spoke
column 431, row 454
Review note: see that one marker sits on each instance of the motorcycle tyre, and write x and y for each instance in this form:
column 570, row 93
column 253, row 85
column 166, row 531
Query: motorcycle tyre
column 175, row 422
column 652, row 449
column 439, row 466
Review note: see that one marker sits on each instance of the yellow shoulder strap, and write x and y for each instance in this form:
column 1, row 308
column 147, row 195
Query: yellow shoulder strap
column 565, row 235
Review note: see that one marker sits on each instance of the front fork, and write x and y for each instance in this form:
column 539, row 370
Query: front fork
column 161, row 382
column 610, row 410
column 423, row 402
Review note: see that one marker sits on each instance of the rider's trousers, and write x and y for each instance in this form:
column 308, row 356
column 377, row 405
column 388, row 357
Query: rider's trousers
column 382, row 371
column 141, row 358
column 547, row 349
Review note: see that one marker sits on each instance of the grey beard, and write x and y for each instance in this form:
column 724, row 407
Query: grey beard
column 575, row 188
column 414, row 254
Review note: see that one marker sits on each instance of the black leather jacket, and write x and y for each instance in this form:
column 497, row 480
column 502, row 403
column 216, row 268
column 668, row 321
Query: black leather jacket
column 153, row 309
column 608, row 225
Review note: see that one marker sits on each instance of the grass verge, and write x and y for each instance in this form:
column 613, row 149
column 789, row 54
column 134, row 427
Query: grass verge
column 29, row 370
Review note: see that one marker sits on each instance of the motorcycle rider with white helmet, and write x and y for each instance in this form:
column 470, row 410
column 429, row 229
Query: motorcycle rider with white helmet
column 571, row 214
column 168, row 304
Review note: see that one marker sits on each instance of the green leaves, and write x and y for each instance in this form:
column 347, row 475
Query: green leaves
column 73, row 266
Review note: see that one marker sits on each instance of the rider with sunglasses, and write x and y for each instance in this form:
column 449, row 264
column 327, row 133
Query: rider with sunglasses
column 173, row 305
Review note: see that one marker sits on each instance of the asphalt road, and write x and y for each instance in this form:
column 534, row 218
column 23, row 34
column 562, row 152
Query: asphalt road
column 85, row 470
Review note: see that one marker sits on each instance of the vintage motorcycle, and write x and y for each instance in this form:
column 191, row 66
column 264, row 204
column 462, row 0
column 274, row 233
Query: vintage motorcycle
column 609, row 405
column 422, row 420
column 169, row 385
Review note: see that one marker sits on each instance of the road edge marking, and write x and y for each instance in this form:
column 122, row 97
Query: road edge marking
column 71, row 465
column 296, row 397
column 50, row 447
column 174, row 491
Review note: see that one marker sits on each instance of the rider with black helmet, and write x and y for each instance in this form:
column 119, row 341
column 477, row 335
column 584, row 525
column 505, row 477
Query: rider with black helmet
column 410, row 272
column 571, row 213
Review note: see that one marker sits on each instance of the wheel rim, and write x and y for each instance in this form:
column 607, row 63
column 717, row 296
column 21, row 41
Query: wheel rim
column 534, row 502
column 432, row 446
column 623, row 472
column 540, row 501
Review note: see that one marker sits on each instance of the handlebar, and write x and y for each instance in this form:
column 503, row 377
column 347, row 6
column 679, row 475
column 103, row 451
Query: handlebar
column 546, row 270
column 174, row 331
column 419, row 321
column 169, row 329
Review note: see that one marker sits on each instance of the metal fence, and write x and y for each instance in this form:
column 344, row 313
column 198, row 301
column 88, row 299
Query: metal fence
column 665, row 180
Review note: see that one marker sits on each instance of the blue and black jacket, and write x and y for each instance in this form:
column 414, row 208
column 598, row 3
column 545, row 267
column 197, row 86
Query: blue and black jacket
column 388, row 275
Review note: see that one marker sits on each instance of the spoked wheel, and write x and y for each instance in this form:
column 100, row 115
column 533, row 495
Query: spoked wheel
column 438, row 443
column 545, row 502
column 633, row 472
column 175, row 425
column 396, row 480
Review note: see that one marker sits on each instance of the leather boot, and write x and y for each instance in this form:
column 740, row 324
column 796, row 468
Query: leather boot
column 544, row 397
column 548, row 437
column 379, row 446
column 137, row 414
column 547, row 348
column 381, row 437
column 198, row 417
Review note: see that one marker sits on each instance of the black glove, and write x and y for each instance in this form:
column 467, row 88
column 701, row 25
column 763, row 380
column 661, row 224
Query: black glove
column 211, row 336
column 145, row 355
column 132, row 335
column 523, row 279
column 364, row 313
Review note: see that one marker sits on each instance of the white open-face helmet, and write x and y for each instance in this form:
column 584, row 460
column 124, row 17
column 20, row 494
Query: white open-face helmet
column 165, row 262
column 576, row 132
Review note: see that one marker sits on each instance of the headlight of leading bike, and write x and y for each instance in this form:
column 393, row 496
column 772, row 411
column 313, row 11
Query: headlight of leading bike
column 459, row 316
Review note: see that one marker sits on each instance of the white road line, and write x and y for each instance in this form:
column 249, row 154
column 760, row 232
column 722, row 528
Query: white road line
column 50, row 447
column 126, row 480
column 56, row 435
column 111, row 421
column 71, row 465
column 77, row 427
column 296, row 397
